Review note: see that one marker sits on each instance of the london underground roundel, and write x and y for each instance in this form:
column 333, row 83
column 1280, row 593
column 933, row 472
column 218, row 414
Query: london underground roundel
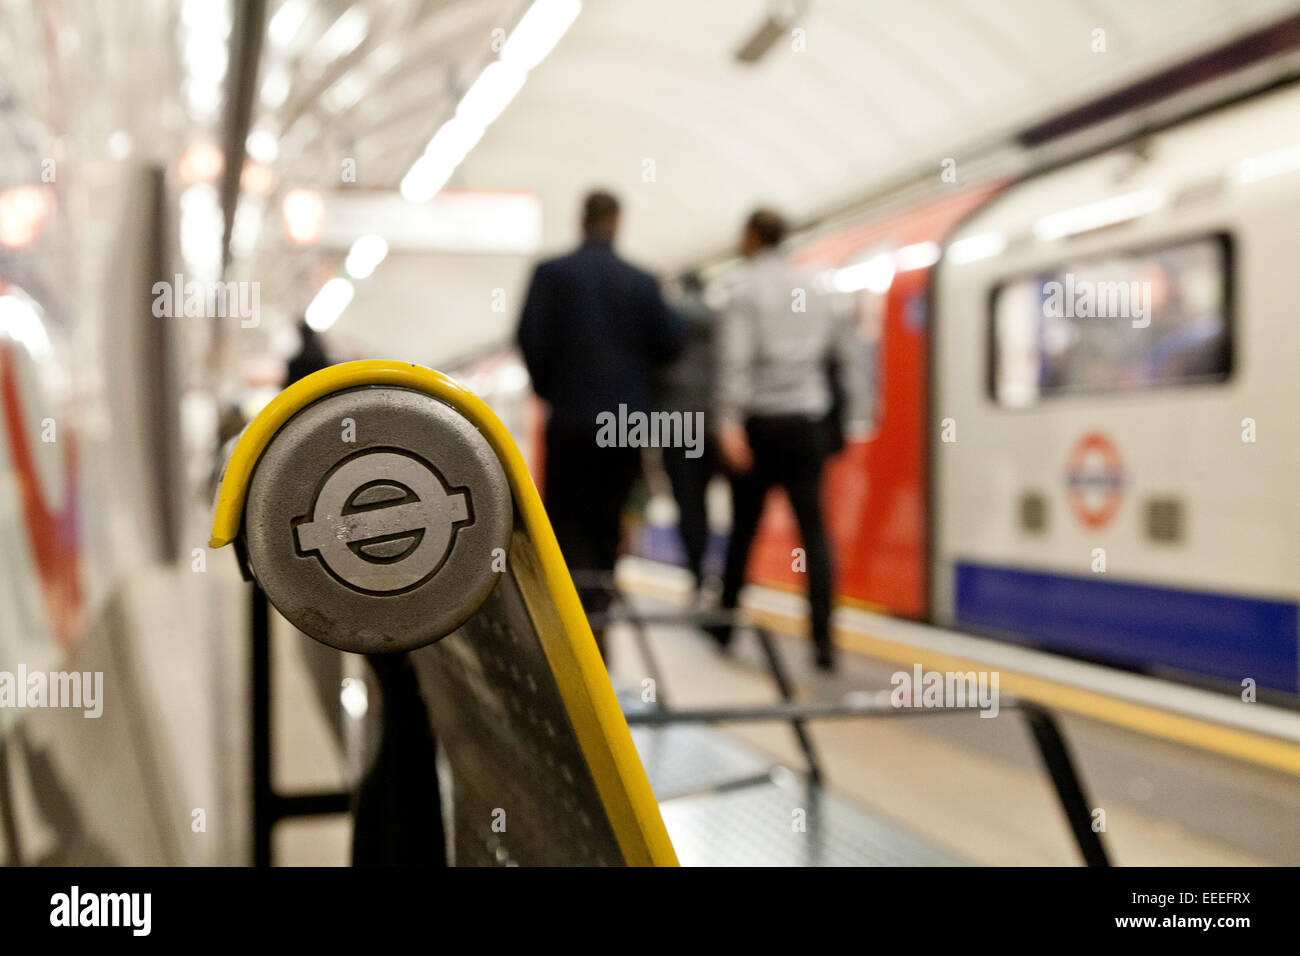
column 1094, row 480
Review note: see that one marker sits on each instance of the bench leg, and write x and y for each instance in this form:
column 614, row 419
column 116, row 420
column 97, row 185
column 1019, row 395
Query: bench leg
column 397, row 812
column 264, row 810
column 1056, row 757
column 787, row 694
column 648, row 656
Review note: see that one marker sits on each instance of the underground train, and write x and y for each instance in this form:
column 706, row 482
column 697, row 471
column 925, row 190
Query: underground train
column 1114, row 346
column 1082, row 436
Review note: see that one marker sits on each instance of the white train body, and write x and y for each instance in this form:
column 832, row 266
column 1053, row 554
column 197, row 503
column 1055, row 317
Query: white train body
column 1114, row 489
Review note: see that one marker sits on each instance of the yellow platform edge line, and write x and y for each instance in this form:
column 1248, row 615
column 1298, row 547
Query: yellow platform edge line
column 584, row 685
column 1156, row 722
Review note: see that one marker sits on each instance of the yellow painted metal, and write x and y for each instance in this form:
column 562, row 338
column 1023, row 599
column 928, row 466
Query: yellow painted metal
column 552, row 600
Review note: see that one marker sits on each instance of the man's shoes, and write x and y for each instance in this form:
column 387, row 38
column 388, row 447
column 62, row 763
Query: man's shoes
column 705, row 600
column 721, row 633
column 824, row 658
column 708, row 594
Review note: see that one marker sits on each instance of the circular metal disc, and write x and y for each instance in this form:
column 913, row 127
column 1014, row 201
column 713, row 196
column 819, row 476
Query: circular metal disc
column 373, row 517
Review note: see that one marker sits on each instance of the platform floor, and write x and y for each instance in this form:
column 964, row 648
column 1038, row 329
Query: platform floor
column 934, row 790
column 972, row 786
column 726, row 804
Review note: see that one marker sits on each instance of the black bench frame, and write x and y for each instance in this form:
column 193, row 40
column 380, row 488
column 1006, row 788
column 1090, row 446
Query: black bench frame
column 1046, row 732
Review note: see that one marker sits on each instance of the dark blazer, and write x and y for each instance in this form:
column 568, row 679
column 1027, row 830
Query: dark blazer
column 593, row 330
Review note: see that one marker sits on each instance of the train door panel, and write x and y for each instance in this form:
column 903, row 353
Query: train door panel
column 1105, row 498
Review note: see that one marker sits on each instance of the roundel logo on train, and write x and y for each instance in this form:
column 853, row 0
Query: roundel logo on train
column 1094, row 478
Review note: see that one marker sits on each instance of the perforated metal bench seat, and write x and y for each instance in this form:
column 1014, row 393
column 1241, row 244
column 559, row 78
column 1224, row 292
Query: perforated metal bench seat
column 383, row 507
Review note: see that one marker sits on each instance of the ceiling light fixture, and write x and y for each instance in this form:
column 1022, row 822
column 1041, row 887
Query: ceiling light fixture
column 538, row 31
column 1095, row 215
column 329, row 304
column 536, row 34
column 365, row 255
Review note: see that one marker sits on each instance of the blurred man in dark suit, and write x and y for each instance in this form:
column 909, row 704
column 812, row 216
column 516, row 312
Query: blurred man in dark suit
column 592, row 331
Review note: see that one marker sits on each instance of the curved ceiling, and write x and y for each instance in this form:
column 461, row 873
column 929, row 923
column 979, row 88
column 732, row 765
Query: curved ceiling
column 647, row 97
column 644, row 96
column 876, row 89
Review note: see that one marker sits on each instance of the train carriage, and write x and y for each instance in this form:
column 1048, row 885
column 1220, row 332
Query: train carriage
column 1119, row 374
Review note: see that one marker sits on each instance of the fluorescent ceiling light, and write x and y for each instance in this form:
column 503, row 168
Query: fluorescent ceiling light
column 206, row 59
column 343, row 36
column 876, row 275
column 538, row 32
column 262, row 146
column 460, row 220
column 345, row 93
column 973, row 248
column 203, row 16
column 286, row 23
column 201, row 226
column 920, row 255
column 491, row 93
column 425, row 178
column 203, row 33
column 385, row 57
column 1269, row 164
column 329, row 303
column 275, row 88
column 528, row 44
column 1094, row 215
column 247, row 227
column 366, row 253
column 454, row 139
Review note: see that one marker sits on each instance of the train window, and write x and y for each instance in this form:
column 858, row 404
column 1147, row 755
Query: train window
column 1120, row 322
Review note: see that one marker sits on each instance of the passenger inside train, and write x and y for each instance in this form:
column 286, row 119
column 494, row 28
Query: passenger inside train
column 578, row 433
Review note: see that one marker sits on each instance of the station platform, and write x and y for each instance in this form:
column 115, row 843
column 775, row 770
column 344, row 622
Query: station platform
column 1156, row 761
column 943, row 790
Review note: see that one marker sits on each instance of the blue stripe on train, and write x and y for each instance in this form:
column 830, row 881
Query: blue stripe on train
column 1218, row 635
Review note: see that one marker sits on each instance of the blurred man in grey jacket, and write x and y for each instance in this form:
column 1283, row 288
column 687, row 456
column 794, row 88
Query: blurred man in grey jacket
column 776, row 339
